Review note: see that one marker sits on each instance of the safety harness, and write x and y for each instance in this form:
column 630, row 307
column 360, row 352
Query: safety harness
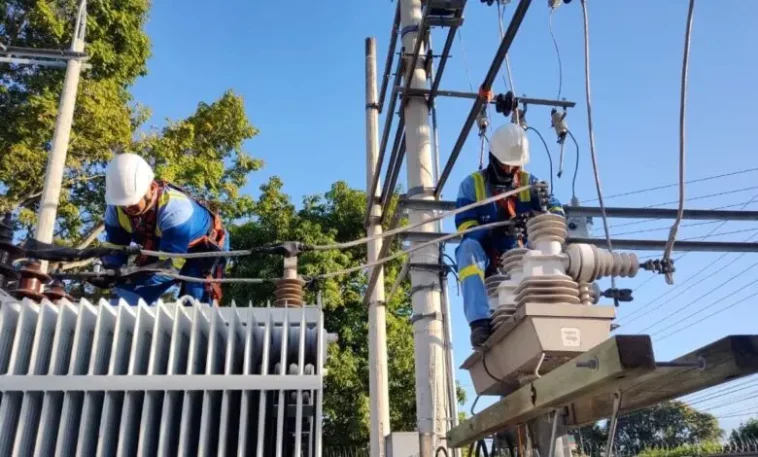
column 144, row 228
column 507, row 205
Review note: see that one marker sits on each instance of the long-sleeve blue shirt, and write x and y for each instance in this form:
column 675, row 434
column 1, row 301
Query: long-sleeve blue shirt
column 475, row 188
column 179, row 221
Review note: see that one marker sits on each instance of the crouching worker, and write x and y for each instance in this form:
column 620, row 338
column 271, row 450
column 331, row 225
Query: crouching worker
column 479, row 252
column 160, row 217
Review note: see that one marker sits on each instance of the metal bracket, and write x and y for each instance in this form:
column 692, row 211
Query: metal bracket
column 422, row 287
column 372, row 105
column 420, row 190
column 613, row 424
column 428, row 267
column 434, row 316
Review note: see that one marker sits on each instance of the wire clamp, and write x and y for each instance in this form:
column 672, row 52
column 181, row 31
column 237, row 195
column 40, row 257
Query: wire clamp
column 660, row 266
column 433, row 316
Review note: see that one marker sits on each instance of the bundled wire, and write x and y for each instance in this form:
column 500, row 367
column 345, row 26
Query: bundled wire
column 682, row 114
column 588, row 96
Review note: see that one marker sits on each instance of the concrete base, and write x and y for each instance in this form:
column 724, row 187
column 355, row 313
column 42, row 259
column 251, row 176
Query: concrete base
column 515, row 351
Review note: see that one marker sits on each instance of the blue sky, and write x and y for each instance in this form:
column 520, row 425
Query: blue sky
column 300, row 68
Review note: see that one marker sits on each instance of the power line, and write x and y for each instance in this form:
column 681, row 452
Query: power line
column 500, row 13
column 557, row 53
column 742, row 387
column 729, row 385
column 692, row 277
column 593, row 155
column 668, row 186
column 708, row 316
column 645, row 221
column 678, row 310
column 682, row 152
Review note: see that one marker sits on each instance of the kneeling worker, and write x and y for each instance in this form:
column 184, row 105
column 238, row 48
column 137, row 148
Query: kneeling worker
column 479, row 252
column 160, row 217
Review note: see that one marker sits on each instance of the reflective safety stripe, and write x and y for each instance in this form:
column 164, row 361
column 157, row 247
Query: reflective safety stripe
column 106, row 244
column 556, row 209
column 123, row 220
column 526, row 194
column 481, row 193
column 467, row 225
column 471, row 270
column 177, row 262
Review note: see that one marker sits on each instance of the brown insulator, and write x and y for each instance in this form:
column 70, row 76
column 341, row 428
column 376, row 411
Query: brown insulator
column 56, row 291
column 31, row 281
column 289, row 292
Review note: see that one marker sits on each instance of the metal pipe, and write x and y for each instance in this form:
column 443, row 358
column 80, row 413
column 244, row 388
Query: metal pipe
column 505, row 44
column 377, row 323
column 390, row 57
column 621, row 244
column 385, row 138
column 393, row 168
column 56, row 162
column 319, row 367
column 613, row 212
column 662, row 213
column 472, row 95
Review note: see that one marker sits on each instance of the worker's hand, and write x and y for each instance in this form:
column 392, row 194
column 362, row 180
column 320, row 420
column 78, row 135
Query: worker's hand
column 103, row 282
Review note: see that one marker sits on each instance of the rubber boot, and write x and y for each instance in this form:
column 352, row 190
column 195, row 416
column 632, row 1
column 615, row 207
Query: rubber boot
column 480, row 332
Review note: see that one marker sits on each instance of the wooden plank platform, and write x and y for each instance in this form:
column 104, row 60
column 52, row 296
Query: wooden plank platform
column 623, row 362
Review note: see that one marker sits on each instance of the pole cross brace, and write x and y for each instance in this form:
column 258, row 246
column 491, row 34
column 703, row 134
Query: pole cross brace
column 434, row 316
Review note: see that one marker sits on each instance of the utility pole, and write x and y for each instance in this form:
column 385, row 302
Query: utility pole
column 56, row 161
column 377, row 324
column 427, row 323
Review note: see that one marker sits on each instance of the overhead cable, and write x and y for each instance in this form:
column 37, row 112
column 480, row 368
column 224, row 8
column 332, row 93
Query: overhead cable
column 743, row 300
column 557, row 52
column 668, row 186
column 440, row 216
column 410, row 250
column 700, row 297
column 588, row 95
column 500, row 13
column 549, row 157
column 576, row 167
column 682, row 155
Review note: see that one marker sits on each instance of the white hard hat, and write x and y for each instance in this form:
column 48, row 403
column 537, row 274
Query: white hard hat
column 510, row 146
column 127, row 179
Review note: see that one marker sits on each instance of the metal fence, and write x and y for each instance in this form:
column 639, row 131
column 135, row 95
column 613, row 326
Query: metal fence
column 356, row 451
column 176, row 378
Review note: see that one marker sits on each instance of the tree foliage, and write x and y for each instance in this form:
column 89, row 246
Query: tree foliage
column 336, row 215
column 203, row 152
column 746, row 430
column 666, row 425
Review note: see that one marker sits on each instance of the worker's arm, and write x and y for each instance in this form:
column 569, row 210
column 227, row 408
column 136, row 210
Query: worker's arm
column 469, row 218
column 115, row 235
column 175, row 224
column 554, row 205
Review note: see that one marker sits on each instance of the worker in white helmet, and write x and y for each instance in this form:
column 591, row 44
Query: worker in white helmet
column 479, row 252
column 160, row 217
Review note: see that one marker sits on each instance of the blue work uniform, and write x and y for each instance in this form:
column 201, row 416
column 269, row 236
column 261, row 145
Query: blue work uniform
column 180, row 223
column 477, row 248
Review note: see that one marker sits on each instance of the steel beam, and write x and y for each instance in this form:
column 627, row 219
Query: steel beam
column 471, row 95
column 219, row 382
column 613, row 212
column 489, row 79
column 388, row 60
column 621, row 244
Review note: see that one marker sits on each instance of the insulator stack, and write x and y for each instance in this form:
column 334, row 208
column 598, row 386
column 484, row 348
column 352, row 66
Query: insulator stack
column 547, row 289
column 57, row 291
column 546, row 228
column 31, row 281
column 512, row 260
column 588, row 263
column 289, row 292
column 586, row 294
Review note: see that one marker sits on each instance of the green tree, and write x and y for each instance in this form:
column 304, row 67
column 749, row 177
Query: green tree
column 666, row 425
column 746, row 430
column 336, row 215
column 203, row 152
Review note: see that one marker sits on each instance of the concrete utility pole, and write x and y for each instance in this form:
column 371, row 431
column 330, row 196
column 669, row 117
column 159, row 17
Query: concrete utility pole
column 377, row 324
column 427, row 327
column 56, row 161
